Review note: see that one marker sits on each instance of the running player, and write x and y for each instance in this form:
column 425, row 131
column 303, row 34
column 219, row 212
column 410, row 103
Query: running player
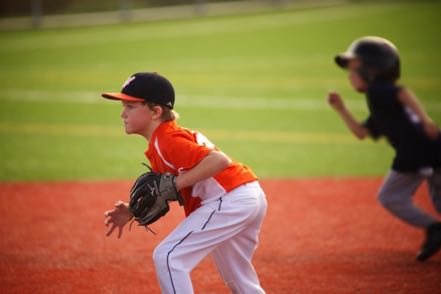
column 395, row 113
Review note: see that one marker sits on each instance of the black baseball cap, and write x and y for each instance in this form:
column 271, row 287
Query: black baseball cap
column 146, row 86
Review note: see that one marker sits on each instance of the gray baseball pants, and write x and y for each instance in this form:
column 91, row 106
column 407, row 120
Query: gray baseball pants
column 398, row 190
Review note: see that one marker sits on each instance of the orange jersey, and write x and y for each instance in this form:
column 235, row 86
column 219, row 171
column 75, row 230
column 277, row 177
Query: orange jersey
column 176, row 150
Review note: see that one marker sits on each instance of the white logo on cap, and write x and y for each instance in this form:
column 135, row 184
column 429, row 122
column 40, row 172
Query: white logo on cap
column 128, row 81
column 169, row 104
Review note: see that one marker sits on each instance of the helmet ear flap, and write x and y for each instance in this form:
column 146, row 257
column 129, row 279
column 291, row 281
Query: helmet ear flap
column 385, row 70
column 364, row 74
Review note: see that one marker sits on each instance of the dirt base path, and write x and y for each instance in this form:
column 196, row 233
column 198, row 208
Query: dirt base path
column 320, row 236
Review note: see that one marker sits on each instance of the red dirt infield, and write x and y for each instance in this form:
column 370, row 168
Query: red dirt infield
column 319, row 236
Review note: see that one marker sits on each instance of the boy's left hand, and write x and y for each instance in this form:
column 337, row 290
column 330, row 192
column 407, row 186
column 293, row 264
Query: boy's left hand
column 117, row 217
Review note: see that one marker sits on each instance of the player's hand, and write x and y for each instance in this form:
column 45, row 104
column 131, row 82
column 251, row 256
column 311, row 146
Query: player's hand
column 431, row 130
column 117, row 218
column 336, row 102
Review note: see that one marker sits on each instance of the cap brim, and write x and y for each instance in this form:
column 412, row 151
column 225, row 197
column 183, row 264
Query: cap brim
column 121, row 96
column 343, row 59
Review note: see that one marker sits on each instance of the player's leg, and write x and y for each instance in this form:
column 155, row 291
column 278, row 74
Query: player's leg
column 435, row 189
column 432, row 243
column 233, row 257
column 396, row 196
column 198, row 234
column 177, row 255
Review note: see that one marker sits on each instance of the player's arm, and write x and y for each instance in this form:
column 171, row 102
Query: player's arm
column 355, row 126
column 407, row 98
column 209, row 166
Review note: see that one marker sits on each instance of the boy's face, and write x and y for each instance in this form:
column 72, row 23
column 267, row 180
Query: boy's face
column 354, row 76
column 137, row 117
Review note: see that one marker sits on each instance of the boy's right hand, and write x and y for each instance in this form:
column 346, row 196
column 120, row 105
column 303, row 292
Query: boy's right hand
column 117, row 217
column 336, row 102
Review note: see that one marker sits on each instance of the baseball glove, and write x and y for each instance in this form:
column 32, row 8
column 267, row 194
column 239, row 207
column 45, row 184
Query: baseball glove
column 150, row 195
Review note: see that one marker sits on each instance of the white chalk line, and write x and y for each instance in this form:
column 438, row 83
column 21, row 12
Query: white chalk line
column 202, row 101
column 282, row 137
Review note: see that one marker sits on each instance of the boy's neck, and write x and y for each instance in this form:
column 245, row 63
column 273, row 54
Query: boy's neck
column 155, row 124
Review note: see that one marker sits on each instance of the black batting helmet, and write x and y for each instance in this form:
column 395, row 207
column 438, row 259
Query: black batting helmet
column 380, row 60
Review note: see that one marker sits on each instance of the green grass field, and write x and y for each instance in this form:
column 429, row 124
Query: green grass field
column 255, row 84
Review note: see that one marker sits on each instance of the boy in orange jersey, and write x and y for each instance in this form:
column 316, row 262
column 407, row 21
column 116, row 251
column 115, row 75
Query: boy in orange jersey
column 223, row 202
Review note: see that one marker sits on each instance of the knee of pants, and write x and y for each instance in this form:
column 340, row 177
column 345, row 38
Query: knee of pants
column 160, row 257
column 166, row 259
column 390, row 201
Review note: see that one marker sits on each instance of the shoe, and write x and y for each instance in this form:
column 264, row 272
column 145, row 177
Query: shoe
column 432, row 244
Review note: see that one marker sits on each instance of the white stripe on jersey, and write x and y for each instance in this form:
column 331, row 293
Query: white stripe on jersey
column 162, row 157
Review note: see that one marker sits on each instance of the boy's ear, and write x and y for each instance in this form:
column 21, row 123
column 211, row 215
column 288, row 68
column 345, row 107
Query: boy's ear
column 157, row 111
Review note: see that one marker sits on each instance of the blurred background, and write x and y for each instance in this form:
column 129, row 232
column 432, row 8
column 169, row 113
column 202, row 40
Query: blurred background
column 251, row 75
column 44, row 12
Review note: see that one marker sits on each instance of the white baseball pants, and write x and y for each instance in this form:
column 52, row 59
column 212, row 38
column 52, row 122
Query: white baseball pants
column 226, row 228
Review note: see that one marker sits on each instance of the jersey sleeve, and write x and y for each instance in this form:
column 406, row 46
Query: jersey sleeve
column 373, row 129
column 183, row 151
